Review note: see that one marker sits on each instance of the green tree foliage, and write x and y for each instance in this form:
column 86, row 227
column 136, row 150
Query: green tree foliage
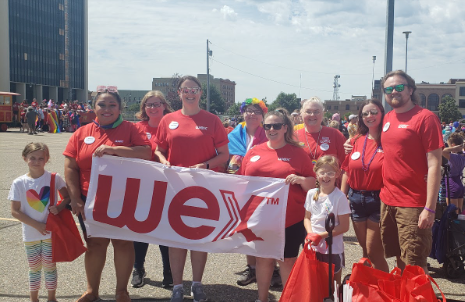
column 172, row 97
column 216, row 100
column 234, row 110
column 134, row 107
column 328, row 115
column 285, row 100
column 448, row 110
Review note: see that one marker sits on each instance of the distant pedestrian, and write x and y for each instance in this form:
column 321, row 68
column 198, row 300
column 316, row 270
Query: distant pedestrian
column 31, row 117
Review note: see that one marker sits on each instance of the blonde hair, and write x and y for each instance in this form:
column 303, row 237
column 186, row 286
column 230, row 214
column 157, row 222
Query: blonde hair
column 32, row 147
column 334, row 124
column 325, row 160
column 142, row 115
column 313, row 99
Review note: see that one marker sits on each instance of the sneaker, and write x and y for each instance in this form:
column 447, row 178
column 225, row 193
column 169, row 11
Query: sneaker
column 138, row 276
column 177, row 295
column 276, row 278
column 167, row 280
column 248, row 276
column 197, row 293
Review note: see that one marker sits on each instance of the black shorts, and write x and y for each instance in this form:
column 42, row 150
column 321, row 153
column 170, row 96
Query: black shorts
column 295, row 236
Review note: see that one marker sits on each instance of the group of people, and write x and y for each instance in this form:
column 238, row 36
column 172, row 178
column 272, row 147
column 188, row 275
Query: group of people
column 391, row 206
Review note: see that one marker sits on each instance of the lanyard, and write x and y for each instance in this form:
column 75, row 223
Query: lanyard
column 319, row 133
column 367, row 167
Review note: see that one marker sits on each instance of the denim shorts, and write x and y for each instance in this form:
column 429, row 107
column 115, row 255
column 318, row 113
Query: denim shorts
column 364, row 205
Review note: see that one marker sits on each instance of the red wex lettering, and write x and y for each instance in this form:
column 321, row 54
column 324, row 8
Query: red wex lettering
column 178, row 208
column 126, row 218
column 245, row 213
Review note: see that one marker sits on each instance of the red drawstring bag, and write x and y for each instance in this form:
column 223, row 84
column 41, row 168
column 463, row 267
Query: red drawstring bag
column 67, row 244
column 308, row 280
column 416, row 286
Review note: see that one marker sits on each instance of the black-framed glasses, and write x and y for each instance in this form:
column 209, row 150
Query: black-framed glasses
column 372, row 112
column 275, row 126
column 250, row 111
column 153, row 105
column 398, row 88
column 187, row 90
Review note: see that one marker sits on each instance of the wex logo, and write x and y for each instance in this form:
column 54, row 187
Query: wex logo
column 201, row 128
column 178, row 208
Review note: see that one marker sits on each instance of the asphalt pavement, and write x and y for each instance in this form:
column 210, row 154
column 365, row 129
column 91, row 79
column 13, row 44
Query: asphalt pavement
column 221, row 271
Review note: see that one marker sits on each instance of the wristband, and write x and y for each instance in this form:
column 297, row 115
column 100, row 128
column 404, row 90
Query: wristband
column 207, row 164
column 429, row 210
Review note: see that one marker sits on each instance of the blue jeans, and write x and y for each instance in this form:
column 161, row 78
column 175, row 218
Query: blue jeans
column 364, row 205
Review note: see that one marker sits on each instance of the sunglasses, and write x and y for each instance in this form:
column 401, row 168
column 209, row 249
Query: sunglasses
column 329, row 174
column 187, row 90
column 398, row 88
column 113, row 89
column 256, row 112
column 275, row 126
column 152, row 105
column 372, row 112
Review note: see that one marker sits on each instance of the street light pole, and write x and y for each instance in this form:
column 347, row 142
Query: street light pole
column 407, row 33
column 373, row 79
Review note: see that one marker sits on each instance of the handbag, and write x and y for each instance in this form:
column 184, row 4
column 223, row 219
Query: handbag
column 67, row 243
column 416, row 286
column 308, row 280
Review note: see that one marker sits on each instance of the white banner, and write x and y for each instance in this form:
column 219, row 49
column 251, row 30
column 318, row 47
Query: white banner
column 195, row 209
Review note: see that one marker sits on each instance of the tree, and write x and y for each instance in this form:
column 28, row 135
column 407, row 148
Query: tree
column 216, row 100
column 328, row 115
column 284, row 100
column 448, row 110
column 234, row 110
column 172, row 95
column 134, row 107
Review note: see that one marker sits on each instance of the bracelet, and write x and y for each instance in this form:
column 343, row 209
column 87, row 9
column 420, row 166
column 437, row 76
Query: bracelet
column 207, row 164
column 429, row 210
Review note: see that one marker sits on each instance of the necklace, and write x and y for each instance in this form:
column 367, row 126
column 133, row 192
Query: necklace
column 316, row 147
column 367, row 167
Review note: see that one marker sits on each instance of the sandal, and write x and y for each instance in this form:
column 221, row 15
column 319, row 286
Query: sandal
column 88, row 297
column 122, row 297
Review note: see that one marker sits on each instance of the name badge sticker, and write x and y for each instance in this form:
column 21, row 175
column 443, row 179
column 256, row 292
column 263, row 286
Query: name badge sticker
column 149, row 135
column 173, row 125
column 355, row 155
column 89, row 140
column 386, row 127
column 255, row 158
column 324, row 147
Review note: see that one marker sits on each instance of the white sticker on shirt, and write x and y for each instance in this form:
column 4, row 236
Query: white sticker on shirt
column 355, row 155
column 89, row 140
column 386, row 127
column 173, row 125
column 149, row 135
column 324, row 147
column 255, row 158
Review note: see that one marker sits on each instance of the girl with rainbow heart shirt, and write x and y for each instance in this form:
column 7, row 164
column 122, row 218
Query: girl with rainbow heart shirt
column 30, row 204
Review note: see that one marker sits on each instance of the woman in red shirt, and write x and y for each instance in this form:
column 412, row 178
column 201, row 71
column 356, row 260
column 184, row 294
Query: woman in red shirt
column 108, row 134
column 152, row 108
column 192, row 138
column 281, row 157
column 362, row 181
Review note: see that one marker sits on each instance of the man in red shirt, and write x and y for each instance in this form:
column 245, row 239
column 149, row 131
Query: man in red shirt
column 412, row 144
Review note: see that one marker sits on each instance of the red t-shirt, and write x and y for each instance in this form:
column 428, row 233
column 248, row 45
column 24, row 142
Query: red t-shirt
column 406, row 139
column 151, row 134
column 371, row 180
column 126, row 134
column 279, row 164
column 34, row 104
column 190, row 140
column 331, row 142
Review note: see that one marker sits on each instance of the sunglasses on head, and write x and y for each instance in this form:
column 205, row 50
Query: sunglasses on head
column 113, row 89
column 372, row 112
column 275, row 126
column 398, row 88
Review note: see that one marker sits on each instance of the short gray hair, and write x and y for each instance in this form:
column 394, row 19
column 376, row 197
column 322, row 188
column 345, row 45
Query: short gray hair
column 313, row 99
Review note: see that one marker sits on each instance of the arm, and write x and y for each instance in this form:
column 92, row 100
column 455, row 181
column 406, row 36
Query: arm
column 345, row 183
column 426, row 218
column 306, row 183
column 446, row 151
column 66, row 200
column 16, row 213
column 219, row 159
column 142, row 152
column 161, row 154
column 72, row 182
column 307, row 222
column 341, row 228
column 348, row 147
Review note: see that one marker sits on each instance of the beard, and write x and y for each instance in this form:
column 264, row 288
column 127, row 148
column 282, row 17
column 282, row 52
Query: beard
column 397, row 102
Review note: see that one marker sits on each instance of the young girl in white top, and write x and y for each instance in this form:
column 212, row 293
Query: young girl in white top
column 30, row 200
column 324, row 199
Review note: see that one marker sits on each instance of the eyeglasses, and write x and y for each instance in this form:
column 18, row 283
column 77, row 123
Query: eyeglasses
column 187, row 90
column 250, row 111
column 372, row 112
column 275, row 126
column 398, row 88
column 113, row 89
column 153, row 105
column 329, row 174
column 309, row 112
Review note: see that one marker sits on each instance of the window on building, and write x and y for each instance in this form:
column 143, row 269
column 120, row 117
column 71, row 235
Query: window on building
column 422, row 100
column 445, row 95
column 328, row 107
column 347, row 107
column 462, row 91
column 433, row 102
column 25, row 56
column 461, row 103
column 336, row 107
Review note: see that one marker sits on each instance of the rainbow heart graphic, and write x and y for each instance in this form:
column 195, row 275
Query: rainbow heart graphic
column 38, row 201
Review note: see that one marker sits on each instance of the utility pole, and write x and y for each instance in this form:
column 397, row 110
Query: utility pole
column 209, row 53
column 406, row 42
column 373, row 79
column 388, row 46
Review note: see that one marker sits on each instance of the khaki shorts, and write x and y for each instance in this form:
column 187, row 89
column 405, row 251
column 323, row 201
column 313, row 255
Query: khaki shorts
column 402, row 237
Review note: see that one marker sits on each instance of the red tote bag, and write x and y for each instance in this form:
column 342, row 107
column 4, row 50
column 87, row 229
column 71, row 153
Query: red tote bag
column 308, row 280
column 417, row 287
column 67, row 244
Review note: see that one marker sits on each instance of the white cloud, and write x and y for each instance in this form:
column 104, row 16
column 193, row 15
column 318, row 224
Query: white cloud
column 228, row 13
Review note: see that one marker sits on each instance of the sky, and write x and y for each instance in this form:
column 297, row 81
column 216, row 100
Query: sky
column 268, row 47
